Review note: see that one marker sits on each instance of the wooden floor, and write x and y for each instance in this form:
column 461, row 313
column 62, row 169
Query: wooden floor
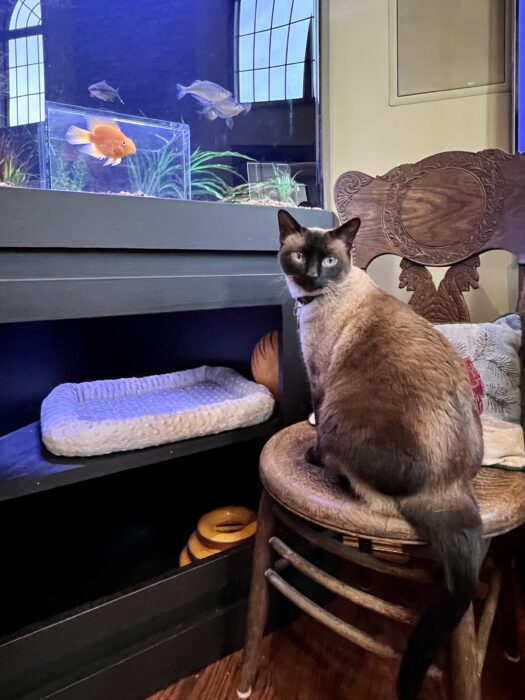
column 307, row 662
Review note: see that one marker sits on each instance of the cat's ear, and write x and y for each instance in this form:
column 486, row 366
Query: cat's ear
column 287, row 225
column 347, row 232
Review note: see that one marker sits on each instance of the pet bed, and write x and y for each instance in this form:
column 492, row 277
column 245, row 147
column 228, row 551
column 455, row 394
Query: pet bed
column 94, row 418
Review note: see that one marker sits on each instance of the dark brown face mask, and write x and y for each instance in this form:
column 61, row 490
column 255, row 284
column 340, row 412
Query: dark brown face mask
column 313, row 258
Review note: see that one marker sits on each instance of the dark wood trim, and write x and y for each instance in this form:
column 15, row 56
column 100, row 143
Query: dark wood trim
column 149, row 668
column 185, row 611
column 27, row 467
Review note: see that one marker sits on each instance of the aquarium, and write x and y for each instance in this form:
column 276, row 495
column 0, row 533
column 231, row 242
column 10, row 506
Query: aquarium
column 207, row 97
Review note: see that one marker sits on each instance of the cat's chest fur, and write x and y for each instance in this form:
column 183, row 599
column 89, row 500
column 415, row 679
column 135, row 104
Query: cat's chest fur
column 317, row 332
column 325, row 323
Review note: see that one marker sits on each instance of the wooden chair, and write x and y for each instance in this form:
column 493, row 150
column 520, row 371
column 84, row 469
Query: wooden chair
column 445, row 211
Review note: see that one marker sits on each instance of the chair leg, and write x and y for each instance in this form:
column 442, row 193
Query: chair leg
column 365, row 575
column 259, row 596
column 508, row 612
column 463, row 660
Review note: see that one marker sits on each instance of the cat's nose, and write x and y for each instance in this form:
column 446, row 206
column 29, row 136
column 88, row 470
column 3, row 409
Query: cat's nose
column 313, row 271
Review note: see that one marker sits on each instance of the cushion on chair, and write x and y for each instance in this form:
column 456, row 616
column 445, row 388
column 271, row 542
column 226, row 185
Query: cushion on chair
column 317, row 496
column 494, row 350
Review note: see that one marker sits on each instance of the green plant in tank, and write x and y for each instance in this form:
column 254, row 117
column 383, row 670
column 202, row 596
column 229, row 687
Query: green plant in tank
column 280, row 187
column 157, row 173
column 69, row 174
column 207, row 173
column 160, row 173
column 284, row 184
column 15, row 162
column 239, row 194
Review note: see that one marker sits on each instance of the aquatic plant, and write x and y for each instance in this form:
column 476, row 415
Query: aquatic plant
column 157, row 173
column 284, row 185
column 69, row 175
column 160, row 173
column 279, row 188
column 207, row 174
column 15, row 161
column 239, row 194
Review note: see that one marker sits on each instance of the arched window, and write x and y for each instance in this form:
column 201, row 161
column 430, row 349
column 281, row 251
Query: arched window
column 272, row 39
column 25, row 64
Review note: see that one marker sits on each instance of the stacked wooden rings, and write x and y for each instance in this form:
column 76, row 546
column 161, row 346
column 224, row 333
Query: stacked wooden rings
column 217, row 531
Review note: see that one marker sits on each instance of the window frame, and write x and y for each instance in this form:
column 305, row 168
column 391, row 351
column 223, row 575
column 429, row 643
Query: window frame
column 6, row 35
column 309, row 62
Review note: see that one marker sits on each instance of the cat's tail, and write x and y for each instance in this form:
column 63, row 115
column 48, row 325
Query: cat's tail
column 454, row 531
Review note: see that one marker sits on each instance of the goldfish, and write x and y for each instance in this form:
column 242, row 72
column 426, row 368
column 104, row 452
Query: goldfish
column 103, row 91
column 102, row 140
column 227, row 109
column 204, row 91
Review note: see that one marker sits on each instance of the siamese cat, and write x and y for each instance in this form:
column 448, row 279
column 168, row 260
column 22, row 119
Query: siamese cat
column 395, row 417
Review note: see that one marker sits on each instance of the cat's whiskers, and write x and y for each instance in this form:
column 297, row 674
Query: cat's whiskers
column 283, row 291
column 331, row 290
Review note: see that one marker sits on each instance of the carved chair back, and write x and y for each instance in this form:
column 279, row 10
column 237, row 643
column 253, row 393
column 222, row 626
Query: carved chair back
column 442, row 211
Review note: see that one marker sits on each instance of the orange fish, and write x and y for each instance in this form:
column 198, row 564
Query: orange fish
column 102, row 140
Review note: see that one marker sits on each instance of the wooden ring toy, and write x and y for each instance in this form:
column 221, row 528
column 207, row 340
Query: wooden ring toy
column 197, row 549
column 184, row 558
column 227, row 525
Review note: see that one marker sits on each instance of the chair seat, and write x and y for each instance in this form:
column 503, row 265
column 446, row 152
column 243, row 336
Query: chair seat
column 316, row 495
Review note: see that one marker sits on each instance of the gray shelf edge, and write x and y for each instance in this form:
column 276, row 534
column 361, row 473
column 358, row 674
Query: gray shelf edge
column 44, row 299
column 33, row 218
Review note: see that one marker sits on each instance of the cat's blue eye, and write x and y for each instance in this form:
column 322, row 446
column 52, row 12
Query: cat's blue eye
column 329, row 262
column 297, row 257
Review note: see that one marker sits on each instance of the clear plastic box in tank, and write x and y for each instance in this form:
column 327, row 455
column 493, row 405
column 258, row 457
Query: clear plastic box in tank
column 96, row 150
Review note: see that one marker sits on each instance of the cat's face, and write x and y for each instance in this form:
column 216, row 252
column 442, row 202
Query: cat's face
column 312, row 258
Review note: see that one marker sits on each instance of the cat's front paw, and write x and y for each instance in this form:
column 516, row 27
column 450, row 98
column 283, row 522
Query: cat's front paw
column 313, row 457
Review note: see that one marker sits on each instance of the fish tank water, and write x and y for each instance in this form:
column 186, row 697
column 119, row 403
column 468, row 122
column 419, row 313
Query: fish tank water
column 210, row 97
column 100, row 151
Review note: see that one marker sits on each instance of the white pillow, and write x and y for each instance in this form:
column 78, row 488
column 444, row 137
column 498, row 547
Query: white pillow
column 494, row 349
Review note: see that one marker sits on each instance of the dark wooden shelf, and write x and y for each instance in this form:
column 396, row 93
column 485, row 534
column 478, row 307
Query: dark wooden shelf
column 174, row 625
column 27, row 467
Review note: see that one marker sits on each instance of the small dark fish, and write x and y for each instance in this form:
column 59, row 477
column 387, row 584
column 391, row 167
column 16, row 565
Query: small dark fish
column 103, row 91
column 204, row 91
column 227, row 109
